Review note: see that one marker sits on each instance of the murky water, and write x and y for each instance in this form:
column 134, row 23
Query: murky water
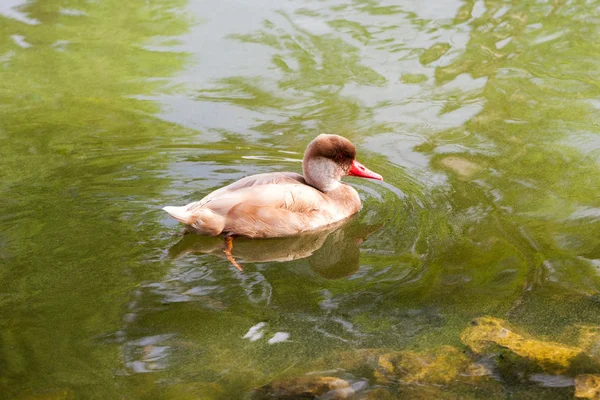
column 483, row 117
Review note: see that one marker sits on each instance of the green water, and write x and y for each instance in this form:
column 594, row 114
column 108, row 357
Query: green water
column 483, row 117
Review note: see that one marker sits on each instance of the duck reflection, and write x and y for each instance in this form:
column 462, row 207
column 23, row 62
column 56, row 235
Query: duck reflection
column 333, row 253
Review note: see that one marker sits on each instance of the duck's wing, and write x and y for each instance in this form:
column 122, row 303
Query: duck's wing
column 294, row 197
column 265, row 205
column 263, row 196
column 274, row 210
column 273, row 178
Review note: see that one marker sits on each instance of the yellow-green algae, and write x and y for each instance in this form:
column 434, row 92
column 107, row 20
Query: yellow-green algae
column 587, row 386
column 486, row 332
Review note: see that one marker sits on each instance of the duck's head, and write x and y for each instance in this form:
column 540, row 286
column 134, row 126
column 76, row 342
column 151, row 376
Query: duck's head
column 330, row 157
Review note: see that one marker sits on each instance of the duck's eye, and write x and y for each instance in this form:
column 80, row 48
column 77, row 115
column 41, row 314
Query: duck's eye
column 339, row 157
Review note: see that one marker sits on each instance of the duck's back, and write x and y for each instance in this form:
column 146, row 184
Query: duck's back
column 273, row 178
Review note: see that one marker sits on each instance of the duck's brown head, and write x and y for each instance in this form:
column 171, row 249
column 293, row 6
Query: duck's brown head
column 330, row 157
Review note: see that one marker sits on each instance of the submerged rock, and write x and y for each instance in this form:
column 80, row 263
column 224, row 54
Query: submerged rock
column 310, row 387
column 439, row 366
column 487, row 332
column 501, row 355
column 362, row 362
column 588, row 338
column 464, row 168
column 438, row 373
column 587, row 386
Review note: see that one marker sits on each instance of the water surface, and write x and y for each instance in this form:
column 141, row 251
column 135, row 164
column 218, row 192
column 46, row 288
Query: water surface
column 482, row 116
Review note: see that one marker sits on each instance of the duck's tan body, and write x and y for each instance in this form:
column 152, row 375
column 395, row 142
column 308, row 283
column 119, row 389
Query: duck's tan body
column 268, row 205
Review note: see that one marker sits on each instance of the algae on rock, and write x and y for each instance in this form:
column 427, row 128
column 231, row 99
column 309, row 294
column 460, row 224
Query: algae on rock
column 587, row 386
column 439, row 366
column 486, row 332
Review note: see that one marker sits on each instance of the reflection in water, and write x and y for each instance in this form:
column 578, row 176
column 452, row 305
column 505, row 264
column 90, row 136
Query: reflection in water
column 145, row 355
column 333, row 253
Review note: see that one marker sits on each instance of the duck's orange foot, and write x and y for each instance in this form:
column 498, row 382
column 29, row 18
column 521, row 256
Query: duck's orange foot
column 227, row 251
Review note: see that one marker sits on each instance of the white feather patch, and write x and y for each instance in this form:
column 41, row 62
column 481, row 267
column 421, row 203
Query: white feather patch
column 179, row 213
column 323, row 174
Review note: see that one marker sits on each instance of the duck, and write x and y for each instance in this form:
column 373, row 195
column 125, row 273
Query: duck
column 282, row 204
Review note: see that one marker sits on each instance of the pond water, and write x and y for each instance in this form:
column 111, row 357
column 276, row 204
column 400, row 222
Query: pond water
column 482, row 116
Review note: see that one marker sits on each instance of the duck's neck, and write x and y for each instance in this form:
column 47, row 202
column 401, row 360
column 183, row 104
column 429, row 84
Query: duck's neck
column 321, row 173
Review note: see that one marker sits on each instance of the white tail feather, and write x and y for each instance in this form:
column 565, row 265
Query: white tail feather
column 179, row 213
